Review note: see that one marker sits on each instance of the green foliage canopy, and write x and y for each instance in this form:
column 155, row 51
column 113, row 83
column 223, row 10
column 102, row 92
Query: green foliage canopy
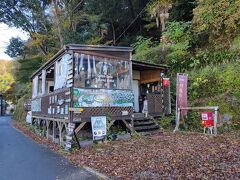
column 6, row 76
column 15, row 48
column 219, row 19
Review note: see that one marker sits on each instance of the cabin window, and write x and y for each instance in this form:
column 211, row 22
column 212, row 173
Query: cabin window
column 99, row 72
column 61, row 72
column 35, row 87
column 43, row 81
column 50, row 72
column 39, row 84
column 60, row 69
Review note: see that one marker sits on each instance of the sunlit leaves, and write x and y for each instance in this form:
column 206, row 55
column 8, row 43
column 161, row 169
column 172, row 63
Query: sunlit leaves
column 219, row 18
column 178, row 39
column 158, row 9
column 6, row 76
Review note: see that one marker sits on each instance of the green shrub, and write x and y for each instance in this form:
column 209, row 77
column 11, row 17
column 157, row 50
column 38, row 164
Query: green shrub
column 215, row 80
column 20, row 113
column 166, row 122
column 217, row 86
column 25, row 94
column 192, row 122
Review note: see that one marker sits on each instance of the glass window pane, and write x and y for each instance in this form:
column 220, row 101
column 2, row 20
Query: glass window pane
column 98, row 72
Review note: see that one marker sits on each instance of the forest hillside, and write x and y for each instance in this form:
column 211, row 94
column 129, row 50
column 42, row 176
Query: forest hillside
column 197, row 37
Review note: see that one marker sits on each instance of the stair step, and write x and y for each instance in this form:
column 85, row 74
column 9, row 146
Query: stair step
column 139, row 115
column 142, row 119
column 147, row 128
column 142, row 123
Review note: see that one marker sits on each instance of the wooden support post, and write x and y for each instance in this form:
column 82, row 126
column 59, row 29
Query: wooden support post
column 215, row 120
column 54, row 133
column 38, row 123
column 80, row 127
column 127, row 125
column 65, row 124
column 177, row 120
column 74, row 133
column 32, row 120
column 63, row 135
column 111, row 123
column 132, row 124
column 48, row 124
column 60, row 127
column 59, row 131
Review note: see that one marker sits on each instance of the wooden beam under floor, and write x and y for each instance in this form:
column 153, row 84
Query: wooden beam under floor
column 80, row 127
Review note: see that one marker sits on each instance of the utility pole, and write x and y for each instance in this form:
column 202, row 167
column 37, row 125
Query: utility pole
column 1, row 101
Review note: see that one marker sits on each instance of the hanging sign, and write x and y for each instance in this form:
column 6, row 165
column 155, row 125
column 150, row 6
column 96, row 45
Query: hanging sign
column 99, row 127
column 181, row 94
column 166, row 95
column 166, row 82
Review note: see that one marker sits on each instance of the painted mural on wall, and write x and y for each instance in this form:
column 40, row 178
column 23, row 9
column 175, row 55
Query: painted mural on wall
column 102, row 98
column 36, row 105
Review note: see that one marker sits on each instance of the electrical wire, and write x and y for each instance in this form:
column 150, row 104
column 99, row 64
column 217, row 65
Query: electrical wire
column 77, row 5
column 133, row 21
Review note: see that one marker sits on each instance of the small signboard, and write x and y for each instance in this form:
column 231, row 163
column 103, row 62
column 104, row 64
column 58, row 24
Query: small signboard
column 99, row 127
column 69, row 136
column 27, row 105
column 207, row 119
column 77, row 110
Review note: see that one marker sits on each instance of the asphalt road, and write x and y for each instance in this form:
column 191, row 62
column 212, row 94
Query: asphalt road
column 23, row 159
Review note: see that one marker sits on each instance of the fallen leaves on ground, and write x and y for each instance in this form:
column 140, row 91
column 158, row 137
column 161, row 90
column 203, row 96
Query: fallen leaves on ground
column 39, row 139
column 166, row 156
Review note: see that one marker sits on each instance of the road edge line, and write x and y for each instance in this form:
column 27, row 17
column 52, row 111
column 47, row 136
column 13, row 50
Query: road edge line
column 95, row 172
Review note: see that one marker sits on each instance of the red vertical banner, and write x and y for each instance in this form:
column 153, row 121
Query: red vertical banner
column 181, row 96
column 166, row 95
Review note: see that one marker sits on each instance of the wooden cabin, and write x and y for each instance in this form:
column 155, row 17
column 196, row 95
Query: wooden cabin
column 82, row 81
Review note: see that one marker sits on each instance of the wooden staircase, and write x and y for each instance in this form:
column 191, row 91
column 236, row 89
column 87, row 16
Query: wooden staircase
column 145, row 125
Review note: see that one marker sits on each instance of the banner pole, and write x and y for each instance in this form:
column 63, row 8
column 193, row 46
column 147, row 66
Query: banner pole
column 215, row 120
column 176, row 112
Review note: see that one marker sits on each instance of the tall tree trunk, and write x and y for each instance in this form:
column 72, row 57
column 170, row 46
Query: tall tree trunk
column 58, row 23
column 131, row 8
column 113, row 33
column 142, row 4
column 43, row 49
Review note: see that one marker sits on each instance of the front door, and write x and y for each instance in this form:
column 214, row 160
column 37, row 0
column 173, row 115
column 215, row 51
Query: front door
column 135, row 88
